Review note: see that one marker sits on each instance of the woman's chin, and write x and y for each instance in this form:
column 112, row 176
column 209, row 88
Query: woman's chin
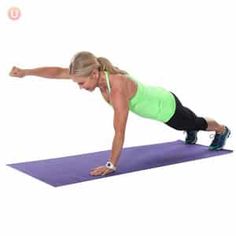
column 90, row 90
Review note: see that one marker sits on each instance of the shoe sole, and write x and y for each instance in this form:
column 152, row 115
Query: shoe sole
column 193, row 142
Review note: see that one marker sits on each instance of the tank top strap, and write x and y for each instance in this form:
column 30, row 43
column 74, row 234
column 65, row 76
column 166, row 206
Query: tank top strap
column 108, row 81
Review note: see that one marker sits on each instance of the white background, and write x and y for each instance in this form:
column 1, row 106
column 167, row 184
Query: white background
column 187, row 47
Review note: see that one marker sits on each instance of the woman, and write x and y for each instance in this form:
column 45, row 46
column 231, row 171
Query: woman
column 124, row 94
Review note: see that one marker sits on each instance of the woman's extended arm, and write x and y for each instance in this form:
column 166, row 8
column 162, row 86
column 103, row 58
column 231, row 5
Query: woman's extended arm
column 46, row 72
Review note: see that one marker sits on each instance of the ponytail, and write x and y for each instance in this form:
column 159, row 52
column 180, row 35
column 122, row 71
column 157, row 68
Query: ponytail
column 105, row 64
column 83, row 63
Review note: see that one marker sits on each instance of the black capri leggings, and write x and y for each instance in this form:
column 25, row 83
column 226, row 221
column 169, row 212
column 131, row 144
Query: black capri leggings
column 185, row 119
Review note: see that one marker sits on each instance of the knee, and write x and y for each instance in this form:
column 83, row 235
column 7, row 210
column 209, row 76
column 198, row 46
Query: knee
column 201, row 123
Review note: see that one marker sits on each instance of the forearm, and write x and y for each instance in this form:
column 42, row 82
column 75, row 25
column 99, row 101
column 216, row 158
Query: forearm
column 117, row 146
column 48, row 72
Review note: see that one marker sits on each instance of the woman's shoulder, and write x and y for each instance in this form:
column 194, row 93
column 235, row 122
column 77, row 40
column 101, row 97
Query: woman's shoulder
column 123, row 82
column 118, row 79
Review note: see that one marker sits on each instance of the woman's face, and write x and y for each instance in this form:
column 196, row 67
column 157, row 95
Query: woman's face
column 86, row 82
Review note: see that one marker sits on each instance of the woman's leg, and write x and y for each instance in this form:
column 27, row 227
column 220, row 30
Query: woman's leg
column 212, row 125
column 186, row 119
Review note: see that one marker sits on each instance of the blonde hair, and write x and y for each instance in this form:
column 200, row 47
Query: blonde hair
column 83, row 63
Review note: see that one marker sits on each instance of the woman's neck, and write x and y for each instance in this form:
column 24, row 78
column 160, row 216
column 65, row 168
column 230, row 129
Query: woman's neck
column 102, row 81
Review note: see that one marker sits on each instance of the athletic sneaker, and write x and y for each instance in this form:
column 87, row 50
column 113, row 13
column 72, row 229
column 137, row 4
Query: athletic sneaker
column 219, row 140
column 191, row 137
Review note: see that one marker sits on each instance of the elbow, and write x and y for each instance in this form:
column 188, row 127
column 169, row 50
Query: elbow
column 63, row 73
column 120, row 134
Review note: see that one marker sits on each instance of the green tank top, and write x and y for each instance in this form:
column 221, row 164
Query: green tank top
column 150, row 101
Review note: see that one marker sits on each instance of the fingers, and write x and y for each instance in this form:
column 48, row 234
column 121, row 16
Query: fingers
column 96, row 168
column 101, row 170
column 96, row 171
column 16, row 72
column 107, row 171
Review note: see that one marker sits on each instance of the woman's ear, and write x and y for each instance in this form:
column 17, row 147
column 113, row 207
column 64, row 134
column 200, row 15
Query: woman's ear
column 95, row 74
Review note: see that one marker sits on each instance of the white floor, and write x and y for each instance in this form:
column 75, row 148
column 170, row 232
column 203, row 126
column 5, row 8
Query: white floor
column 188, row 47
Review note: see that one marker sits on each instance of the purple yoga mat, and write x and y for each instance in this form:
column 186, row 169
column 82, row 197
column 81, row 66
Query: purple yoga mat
column 74, row 169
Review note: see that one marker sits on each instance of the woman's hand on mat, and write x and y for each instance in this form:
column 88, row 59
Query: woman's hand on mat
column 17, row 72
column 100, row 170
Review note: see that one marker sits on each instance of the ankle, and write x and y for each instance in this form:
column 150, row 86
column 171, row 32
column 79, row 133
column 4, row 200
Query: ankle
column 221, row 130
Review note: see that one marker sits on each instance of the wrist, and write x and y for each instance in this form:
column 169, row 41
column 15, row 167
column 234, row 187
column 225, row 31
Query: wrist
column 25, row 72
column 110, row 166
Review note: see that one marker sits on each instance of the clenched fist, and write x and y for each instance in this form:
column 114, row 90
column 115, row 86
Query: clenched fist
column 17, row 72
